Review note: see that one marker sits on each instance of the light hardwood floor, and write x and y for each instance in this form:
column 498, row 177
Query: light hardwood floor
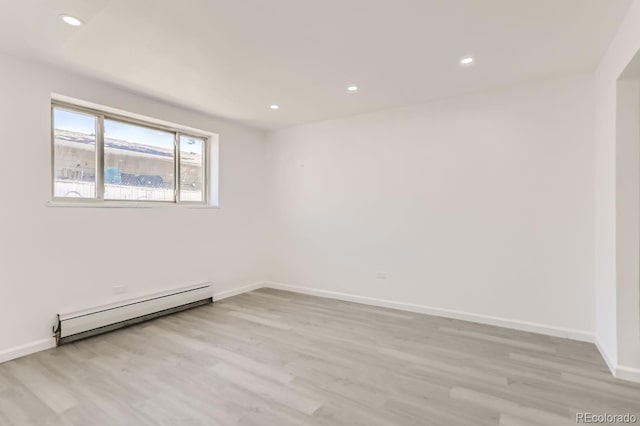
column 276, row 358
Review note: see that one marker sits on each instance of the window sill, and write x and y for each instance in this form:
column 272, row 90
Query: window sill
column 126, row 205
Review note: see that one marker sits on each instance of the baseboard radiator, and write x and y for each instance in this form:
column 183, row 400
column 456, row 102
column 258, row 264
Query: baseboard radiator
column 72, row 326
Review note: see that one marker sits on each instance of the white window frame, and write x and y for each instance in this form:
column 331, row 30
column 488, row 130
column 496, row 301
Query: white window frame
column 99, row 200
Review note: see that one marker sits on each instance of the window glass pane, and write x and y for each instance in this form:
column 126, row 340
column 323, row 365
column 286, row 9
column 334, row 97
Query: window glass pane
column 74, row 158
column 192, row 169
column 139, row 162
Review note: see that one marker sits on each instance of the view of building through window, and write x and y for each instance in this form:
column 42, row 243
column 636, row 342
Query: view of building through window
column 139, row 162
column 192, row 175
column 74, row 162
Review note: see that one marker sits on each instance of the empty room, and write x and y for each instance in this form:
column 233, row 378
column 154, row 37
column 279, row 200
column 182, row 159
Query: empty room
column 295, row 212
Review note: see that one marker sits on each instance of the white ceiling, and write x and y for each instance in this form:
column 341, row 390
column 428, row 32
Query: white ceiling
column 233, row 58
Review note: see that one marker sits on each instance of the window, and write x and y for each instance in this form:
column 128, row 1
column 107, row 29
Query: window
column 74, row 158
column 192, row 167
column 139, row 162
column 103, row 157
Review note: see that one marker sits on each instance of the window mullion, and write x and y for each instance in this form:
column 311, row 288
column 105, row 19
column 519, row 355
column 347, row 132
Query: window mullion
column 176, row 156
column 100, row 158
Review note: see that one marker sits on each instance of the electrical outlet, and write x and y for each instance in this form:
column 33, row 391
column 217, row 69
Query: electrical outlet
column 381, row 275
column 119, row 289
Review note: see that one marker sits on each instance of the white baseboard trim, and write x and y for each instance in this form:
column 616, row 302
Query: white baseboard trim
column 611, row 362
column 621, row 372
column 582, row 336
column 27, row 349
column 628, row 373
column 235, row 291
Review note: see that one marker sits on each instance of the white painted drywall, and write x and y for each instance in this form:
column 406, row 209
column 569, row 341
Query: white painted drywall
column 617, row 300
column 481, row 204
column 628, row 221
column 51, row 258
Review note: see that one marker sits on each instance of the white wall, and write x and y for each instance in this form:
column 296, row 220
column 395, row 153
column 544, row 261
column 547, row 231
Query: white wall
column 617, row 295
column 56, row 257
column 481, row 204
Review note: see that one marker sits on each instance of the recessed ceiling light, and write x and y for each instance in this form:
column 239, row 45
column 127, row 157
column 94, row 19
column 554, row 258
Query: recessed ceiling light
column 352, row 88
column 465, row 61
column 71, row 20
column 274, row 106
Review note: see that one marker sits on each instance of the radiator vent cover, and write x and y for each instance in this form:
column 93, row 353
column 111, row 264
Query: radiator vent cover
column 76, row 325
